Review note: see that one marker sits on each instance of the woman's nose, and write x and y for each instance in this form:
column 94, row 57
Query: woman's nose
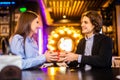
column 40, row 23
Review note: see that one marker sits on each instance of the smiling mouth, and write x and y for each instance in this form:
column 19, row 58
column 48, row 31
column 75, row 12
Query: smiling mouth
column 84, row 28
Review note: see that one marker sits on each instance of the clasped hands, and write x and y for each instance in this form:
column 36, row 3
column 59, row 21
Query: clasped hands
column 60, row 56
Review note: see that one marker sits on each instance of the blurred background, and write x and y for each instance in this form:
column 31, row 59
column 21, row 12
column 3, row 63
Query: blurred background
column 61, row 21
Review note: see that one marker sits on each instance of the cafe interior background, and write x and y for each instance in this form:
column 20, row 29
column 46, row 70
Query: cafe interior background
column 61, row 21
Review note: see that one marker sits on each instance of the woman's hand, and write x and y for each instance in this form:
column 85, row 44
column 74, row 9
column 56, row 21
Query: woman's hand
column 51, row 56
column 61, row 56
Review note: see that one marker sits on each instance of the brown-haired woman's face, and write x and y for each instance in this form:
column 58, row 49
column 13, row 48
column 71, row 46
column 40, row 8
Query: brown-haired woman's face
column 35, row 25
column 86, row 25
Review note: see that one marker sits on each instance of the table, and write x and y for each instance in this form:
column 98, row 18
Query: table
column 63, row 73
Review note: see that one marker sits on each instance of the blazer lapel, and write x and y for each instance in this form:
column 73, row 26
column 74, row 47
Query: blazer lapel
column 97, row 38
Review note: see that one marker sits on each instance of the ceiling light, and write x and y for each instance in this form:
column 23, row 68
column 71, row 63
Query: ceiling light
column 64, row 16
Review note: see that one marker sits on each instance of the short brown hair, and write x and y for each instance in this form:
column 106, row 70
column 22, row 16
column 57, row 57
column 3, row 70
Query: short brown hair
column 95, row 18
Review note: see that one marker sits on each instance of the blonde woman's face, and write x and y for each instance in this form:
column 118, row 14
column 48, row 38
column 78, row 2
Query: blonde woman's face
column 35, row 25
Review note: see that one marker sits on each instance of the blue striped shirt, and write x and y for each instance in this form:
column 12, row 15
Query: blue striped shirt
column 88, row 50
column 28, row 51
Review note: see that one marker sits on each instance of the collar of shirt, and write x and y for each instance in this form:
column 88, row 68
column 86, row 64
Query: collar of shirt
column 88, row 38
column 30, row 39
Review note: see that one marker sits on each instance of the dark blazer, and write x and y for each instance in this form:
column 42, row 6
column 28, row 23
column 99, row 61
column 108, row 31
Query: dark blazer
column 101, row 52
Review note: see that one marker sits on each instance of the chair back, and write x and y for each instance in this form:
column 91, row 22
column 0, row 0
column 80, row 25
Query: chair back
column 7, row 58
column 5, row 46
column 116, row 61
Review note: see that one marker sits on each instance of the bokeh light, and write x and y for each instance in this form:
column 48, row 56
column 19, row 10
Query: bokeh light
column 64, row 38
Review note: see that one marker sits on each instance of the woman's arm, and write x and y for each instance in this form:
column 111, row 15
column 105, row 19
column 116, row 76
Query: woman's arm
column 17, row 47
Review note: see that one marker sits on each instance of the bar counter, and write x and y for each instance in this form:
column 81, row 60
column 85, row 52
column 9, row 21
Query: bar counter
column 63, row 73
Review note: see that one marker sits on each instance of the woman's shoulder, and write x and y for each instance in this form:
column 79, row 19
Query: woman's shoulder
column 17, row 37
